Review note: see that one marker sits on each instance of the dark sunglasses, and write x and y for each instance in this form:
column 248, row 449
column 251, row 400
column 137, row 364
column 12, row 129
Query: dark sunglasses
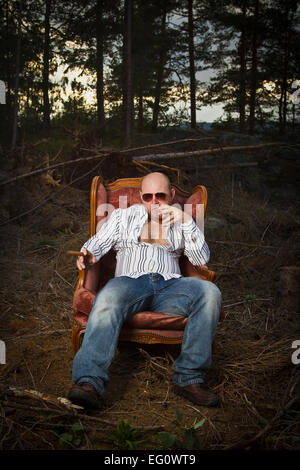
column 147, row 197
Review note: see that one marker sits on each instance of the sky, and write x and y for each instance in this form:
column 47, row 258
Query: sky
column 205, row 114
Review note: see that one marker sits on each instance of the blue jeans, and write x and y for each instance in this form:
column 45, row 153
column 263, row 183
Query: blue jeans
column 122, row 297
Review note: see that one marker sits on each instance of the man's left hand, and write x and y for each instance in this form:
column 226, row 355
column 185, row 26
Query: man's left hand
column 171, row 214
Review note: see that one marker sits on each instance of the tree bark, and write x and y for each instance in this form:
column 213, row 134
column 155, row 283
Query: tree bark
column 141, row 115
column 160, row 71
column 17, row 79
column 242, row 84
column 8, row 73
column 253, row 85
column 99, row 64
column 46, row 58
column 128, row 94
column 192, row 64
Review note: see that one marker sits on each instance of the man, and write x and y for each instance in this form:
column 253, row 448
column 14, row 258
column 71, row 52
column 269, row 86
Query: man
column 149, row 239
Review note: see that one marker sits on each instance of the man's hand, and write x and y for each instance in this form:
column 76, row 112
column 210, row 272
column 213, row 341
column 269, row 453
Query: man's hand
column 171, row 214
column 85, row 261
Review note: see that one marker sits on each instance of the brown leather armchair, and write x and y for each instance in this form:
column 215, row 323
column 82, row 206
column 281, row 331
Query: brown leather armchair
column 144, row 327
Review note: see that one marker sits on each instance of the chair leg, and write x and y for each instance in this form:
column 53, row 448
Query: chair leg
column 77, row 335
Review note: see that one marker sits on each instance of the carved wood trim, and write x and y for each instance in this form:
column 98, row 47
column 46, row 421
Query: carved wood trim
column 136, row 183
column 204, row 197
column 93, row 201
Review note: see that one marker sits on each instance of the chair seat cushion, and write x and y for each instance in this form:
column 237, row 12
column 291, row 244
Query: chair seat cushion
column 83, row 302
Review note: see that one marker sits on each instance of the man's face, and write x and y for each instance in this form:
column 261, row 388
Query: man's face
column 155, row 191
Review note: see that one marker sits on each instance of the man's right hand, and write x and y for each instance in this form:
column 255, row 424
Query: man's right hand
column 85, row 261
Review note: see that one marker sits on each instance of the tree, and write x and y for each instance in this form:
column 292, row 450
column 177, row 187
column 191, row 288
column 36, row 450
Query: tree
column 192, row 64
column 17, row 76
column 128, row 106
column 46, row 58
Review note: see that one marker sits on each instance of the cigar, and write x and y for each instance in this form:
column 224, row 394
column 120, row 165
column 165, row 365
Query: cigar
column 75, row 253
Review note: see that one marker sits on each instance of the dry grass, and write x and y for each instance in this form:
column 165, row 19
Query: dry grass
column 251, row 371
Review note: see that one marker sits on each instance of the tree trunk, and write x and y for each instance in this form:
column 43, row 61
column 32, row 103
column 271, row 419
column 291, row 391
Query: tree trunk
column 99, row 64
column 8, row 76
column 160, row 71
column 242, row 84
column 128, row 89
column 46, row 58
column 141, row 115
column 280, row 108
column 289, row 14
column 284, row 83
column 253, row 85
column 192, row 64
column 17, row 79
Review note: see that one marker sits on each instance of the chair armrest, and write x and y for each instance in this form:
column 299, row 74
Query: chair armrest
column 81, row 274
column 81, row 278
column 205, row 273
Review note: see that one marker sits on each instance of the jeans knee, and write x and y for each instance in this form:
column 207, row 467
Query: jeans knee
column 213, row 293
column 112, row 295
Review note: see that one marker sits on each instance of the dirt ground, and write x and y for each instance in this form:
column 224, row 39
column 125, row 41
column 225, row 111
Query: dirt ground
column 252, row 369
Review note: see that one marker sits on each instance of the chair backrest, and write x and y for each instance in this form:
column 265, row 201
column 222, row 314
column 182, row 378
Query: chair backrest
column 124, row 193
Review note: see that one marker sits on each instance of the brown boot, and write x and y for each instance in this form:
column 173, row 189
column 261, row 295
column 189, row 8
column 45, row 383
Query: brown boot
column 84, row 394
column 197, row 393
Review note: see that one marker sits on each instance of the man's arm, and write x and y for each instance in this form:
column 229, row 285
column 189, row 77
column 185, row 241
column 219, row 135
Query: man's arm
column 195, row 246
column 96, row 246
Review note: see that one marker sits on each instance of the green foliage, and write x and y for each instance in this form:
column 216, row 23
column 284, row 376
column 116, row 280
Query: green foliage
column 47, row 242
column 186, row 437
column 68, row 433
column 82, row 58
column 125, row 437
column 250, row 297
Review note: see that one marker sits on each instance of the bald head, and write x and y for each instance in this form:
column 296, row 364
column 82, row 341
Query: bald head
column 156, row 178
column 156, row 190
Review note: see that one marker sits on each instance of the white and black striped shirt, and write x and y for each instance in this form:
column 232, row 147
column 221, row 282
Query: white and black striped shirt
column 135, row 258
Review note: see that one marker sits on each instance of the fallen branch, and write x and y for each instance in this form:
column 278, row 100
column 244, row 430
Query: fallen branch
column 196, row 153
column 146, row 157
column 65, row 404
column 94, row 157
column 145, row 162
column 36, row 395
column 230, row 165
column 247, row 443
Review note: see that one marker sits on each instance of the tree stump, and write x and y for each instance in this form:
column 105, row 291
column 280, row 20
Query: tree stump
column 289, row 288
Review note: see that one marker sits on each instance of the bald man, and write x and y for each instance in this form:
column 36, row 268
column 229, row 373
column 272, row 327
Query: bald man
column 149, row 239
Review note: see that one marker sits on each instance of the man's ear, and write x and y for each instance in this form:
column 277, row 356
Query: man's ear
column 172, row 193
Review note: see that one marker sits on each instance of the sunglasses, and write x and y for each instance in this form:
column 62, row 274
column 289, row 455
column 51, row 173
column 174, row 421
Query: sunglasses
column 147, row 197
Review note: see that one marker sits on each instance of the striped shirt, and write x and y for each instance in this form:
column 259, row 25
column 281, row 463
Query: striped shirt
column 121, row 232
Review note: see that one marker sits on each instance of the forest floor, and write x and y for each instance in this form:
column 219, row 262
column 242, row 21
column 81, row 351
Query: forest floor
column 252, row 370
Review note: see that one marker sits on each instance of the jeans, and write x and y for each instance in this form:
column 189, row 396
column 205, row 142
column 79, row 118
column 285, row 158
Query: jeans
column 122, row 297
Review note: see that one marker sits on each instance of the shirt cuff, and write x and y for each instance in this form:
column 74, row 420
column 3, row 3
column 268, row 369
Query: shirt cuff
column 97, row 254
column 188, row 226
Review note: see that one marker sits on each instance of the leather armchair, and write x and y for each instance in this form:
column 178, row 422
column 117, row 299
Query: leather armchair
column 144, row 327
